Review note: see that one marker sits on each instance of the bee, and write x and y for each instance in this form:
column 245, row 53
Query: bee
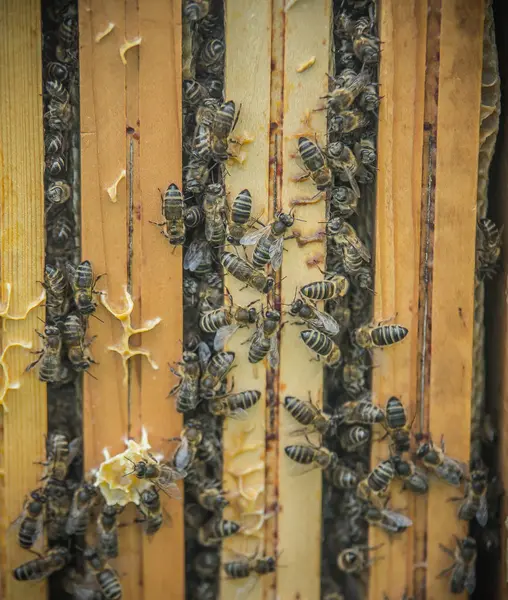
column 217, row 368
column 388, row 520
column 31, row 520
column 234, row 405
column 162, row 475
column 60, row 454
column 55, row 284
column 50, row 368
column 58, row 115
column 194, row 93
column 474, row 502
column 360, row 411
column 488, row 243
column 173, row 211
column 68, row 32
column 269, row 242
column 198, row 258
column 106, row 576
column 344, row 201
column 214, row 208
column 209, row 496
column 55, row 165
column 333, row 287
column 322, row 345
column 369, row 99
column 317, row 456
column 342, row 160
column 353, row 438
column 54, row 143
column 190, row 291
column 196, row 175
column 187, row 389
column 54, row 560
column 206, row 565
column 58, row 192
column 348, row 121
column 366, row 48
column 414, row 478
column 211, row 57
column 107, row 531
column 57, row 90
column 83, row 284
column 73, row 331
column 202, row 142
column 192, row 216
column 58, row 505
column 374, row 488
column 315, row 162
column 264, row 342
column 215, row 530
column 353, row 377
column 365, row 152
column 240, row 216
column 354, row 559
column 378, row 336
column 224, row 120
column 195, row 10
column 396, row 425
column 307, row 414
column 60, row 232
column 151, row 509
column 58, row 71
column 463, row 569
column 190, row 439
column 433, row 458
column 82, row 503
column 341, row 312
column 346, row 89
column 341, row 476
column 246, row 273
column 239, row 569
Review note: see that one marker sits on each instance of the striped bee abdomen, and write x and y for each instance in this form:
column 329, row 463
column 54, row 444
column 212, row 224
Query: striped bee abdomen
column 386, row 335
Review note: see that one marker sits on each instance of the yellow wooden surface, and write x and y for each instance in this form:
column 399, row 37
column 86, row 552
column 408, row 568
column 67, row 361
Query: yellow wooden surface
column 248, row 50
column 22, row 429
column 130, row 121
column 402, row 80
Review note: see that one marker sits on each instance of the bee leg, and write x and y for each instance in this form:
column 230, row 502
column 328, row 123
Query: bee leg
column 32, row 365
column 455, row 499
column 447, row 551
column 174, row 390
column 445, row 572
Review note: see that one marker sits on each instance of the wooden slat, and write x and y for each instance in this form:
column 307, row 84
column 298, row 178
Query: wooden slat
column 454, row 263
column 22, row 429
column 130, row 121
column 402, row 80
column 307, row 34
column 248, row 28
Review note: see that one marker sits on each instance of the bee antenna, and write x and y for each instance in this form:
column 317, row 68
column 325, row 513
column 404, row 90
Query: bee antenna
column 92, row 376
column 96, row 317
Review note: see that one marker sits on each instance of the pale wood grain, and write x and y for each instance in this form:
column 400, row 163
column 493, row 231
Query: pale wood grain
column 22, row 429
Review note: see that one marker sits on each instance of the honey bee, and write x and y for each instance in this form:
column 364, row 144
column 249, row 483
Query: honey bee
column 365, row 152
column 488, row 244
column 58, row 115
column 240, row 569
column 264, row 341
column 344, row 201
column 187, row 389
column 55, row 284
column 333, row 287
column 106, row 576
column 60, row 233
column 82, row 503
column 162, row 475
column 217, row 368
column 58, row 192
column 195, row 10
column 215, row 530
column 345, row 237
column 198, row 258
column 307, row 414
column 211, row 57
column 374, row 488
column 342, row 160
column 234, row 406
column 196, row 175
column 83, row 284
column 269, row 242
column 58, row 71
column 313, row 317
column 322, row 345
column 353, row 438
column 346, row 89
column 172, row 207
column 107, row 531
column 246, row 273
column 206, row 565
column 414, row 478
column 463, row 569
column 202, row 142
column 190, row 439
column 60, row 454
column 214, row 202
column 54, row 143
column 151, row 508
column 348, row 121
column 194, row 93
column 369, row 99
column 57, row 90
column 474, row 502
column 73, row 331
column 50, row 368
column 388, row 520
column 340, row 311
column 433, row 458
column 353, row 377
column 68, row 32
column 55, row 165
column 378, row 336
column 58, row 505
column 240, row 216
column 366, row 48
column 192, row 216
column 209, row 496
column 54, row 560
column 360, row 411
column 315, row 162
column 31, row 520
column 315, row 456
column 355, row 559
column 223, row 124
column 341, row 476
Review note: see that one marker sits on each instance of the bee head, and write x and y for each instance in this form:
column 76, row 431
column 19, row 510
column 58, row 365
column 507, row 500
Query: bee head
column 270, row 564
column 286, row 219
column 270, row 282
column 273, row 315
column 296, row 307
column 334, row 225
column 423, row 450
column 84, row 302
column 190, row 357
column 51, row 331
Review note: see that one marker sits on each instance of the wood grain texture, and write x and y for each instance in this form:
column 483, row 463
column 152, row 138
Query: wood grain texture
column 22, row 429
column 307, row 33
column 454, row 263
column 131, row 120
column 248, row 29
column 402, row 79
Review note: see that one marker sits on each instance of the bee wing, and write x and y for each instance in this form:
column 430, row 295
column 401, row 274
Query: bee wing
column 325, row 322
column 482, row 514
column 470, row 583
column 352, row 181
column 449, row 474
column 222, row 335
column 397, row 519
column 195, row 254
column 182, row 456
column 276, row 252
column 360, row 247
column 273, row 356
column 204, row 354
column 239, row 414
column 254, row 236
